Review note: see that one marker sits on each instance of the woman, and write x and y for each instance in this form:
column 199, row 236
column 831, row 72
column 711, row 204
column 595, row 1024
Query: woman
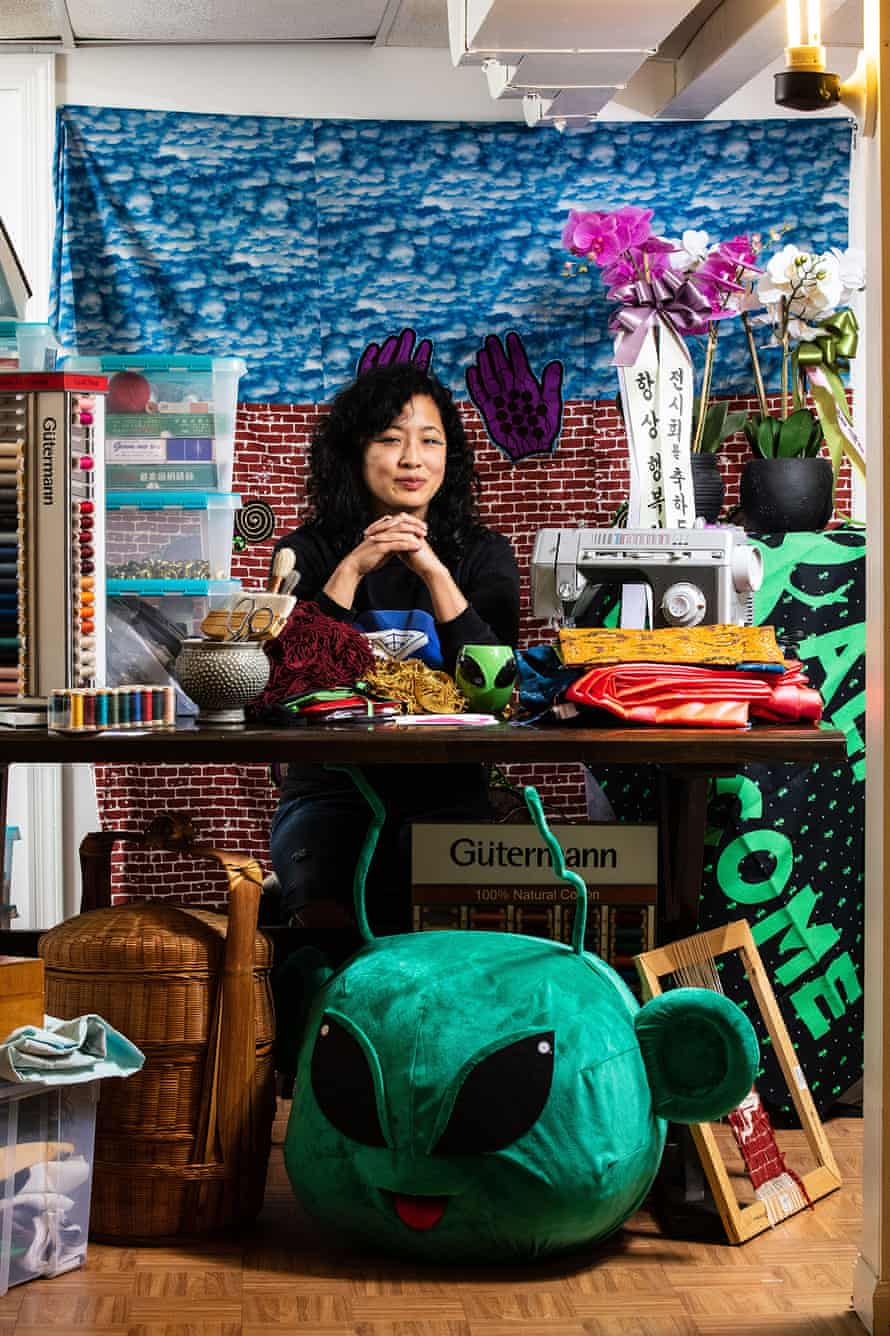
column 394, row 546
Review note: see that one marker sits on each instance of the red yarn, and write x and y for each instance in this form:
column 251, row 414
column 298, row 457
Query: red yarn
column 313, row 652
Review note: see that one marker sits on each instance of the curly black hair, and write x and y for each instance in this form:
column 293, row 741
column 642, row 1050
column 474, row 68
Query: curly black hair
column 339, row 504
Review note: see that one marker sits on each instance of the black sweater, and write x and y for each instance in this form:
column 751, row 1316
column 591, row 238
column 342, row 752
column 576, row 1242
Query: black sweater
column 487, row 576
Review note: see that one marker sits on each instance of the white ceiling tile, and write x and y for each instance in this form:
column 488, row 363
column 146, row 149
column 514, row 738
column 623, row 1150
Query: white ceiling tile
column 226, row 20
column 419, row 23
column 20, row 19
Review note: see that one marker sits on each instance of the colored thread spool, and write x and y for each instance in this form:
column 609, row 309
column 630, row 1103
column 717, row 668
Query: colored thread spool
column 76, row 717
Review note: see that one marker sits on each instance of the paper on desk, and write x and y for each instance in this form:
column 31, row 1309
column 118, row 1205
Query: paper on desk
column 474, row 720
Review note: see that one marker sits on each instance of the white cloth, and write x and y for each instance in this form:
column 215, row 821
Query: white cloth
column 65, row 1052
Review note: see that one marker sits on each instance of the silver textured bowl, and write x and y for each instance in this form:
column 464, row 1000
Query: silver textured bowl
column 221, row 676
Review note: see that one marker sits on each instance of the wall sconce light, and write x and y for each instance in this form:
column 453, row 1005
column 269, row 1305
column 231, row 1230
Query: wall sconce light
column 806, row 85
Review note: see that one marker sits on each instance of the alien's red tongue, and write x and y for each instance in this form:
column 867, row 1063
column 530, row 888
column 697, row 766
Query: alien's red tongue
column 420, row 1212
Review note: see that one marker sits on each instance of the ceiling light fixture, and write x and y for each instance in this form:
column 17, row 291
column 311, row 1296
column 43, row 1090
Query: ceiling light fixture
column 806, row 85
column 535, row 109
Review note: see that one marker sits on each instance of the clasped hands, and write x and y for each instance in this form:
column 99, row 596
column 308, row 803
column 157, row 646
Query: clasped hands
column 400, row 535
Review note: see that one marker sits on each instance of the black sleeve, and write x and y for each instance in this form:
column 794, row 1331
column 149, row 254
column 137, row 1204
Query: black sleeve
column 315, row 562
column 489, row 580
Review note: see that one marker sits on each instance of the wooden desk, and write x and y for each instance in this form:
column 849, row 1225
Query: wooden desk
column 686, row 759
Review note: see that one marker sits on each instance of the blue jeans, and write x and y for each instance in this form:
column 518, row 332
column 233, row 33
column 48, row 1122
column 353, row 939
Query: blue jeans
column 317, row 835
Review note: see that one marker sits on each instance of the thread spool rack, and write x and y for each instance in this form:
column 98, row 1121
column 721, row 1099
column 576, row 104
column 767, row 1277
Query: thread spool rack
column 52, row 526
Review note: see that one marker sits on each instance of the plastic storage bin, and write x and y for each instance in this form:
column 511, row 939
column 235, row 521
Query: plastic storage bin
column 46, row 1146
column 168, row 542
column 8, row 910
column 27, row 346
column 9, row 348
column 170, row 420
column 37, row 346
column 146, row 626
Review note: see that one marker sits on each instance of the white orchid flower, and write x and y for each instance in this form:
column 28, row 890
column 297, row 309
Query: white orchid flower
column 746, row 300
column 799, row 329
column 821, row 288
column 851, row 265
column 782, row 274
column 689, row 251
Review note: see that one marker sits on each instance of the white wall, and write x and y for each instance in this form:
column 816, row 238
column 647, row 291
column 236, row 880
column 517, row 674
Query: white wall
column 339, row 80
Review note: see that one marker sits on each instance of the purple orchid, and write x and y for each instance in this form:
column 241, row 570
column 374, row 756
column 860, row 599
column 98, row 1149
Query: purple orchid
column 650, row 260
column 603, row 237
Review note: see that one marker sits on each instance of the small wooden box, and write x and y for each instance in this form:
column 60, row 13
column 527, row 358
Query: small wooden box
column 21, row 993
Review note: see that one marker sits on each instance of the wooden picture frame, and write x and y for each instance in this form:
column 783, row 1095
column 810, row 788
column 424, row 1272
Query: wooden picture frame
column 745, row 1222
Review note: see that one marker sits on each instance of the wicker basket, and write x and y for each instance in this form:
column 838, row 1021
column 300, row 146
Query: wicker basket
column 182, row 1147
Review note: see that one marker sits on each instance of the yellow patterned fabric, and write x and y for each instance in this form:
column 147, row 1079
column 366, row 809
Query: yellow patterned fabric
column 585, row 647
column 422, row 689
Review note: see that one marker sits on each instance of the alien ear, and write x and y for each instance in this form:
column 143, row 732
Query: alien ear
column 700, row 1052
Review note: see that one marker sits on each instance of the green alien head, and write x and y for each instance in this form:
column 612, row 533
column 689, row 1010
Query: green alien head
column 486, row 676
column 488, row 1096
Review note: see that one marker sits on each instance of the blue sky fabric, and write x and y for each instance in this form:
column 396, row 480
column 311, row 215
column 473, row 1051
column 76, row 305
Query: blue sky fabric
column 295, row 243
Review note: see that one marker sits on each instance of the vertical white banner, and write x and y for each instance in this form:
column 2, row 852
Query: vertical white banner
column 675, row 391
column 639, row 393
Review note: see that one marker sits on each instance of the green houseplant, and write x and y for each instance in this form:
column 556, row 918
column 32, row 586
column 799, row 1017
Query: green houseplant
column 709, row 431
column 789, row 483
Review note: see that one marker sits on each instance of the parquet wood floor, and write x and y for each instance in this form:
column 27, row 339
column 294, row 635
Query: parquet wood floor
column 280, row 1278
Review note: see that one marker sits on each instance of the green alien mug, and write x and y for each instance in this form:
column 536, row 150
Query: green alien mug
column 486, row 675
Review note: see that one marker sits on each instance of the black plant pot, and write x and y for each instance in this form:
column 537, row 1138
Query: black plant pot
column 787, row 495
column 707, row 486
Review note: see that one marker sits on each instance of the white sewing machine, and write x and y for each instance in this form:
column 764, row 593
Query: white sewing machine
column 696, row 575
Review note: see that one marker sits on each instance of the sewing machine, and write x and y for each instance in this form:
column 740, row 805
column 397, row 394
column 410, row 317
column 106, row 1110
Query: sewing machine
column 696, row 575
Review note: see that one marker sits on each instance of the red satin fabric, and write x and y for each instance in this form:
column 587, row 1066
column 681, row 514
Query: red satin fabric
column 695, row 697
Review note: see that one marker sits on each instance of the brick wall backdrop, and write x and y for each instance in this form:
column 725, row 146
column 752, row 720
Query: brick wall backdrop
column 583, row 482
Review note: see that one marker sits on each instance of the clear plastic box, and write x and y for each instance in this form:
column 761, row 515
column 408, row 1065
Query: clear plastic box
column 182, row 611
column 170, row 420
column 38, row 347
column 27, row 345
column 168, row 537
column 147, row 623
column 9, row 348
column 46, row 1143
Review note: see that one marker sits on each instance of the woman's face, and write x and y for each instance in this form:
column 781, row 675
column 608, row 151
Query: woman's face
column 404, row 466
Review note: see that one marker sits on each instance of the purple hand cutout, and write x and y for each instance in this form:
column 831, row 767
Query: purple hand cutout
column 397, row 348
column 521, row 415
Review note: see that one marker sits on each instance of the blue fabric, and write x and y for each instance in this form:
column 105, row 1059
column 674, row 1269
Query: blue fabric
column 295, row 243
column 542, row 678
column 411, row 619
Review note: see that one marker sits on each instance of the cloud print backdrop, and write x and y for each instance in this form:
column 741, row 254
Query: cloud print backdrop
column 293, row 243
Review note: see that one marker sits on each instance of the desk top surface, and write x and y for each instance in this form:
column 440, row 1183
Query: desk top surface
column 381, row 743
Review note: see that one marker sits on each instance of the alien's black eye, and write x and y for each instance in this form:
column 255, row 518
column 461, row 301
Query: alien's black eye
column 506, row 674
column 343, row 1084
column 503, row 1096
column 470, row 671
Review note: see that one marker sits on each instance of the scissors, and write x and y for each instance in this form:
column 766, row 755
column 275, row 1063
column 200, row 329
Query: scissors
column 249, row 625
